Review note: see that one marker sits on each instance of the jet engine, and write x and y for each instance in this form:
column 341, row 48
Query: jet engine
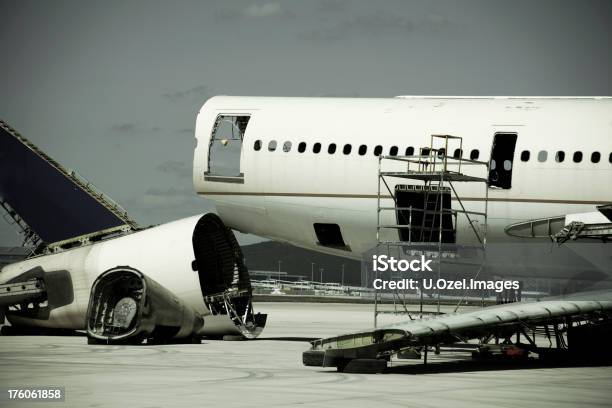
column 126, row 306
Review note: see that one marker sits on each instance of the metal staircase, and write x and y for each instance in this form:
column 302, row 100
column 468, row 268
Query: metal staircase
column 31, row 240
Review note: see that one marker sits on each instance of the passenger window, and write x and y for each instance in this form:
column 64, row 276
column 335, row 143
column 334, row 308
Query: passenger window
column 302, row 147
column 316, row 148
column 377, row 150
column 525, row 155
column 257, row 145
column 410, row 151
column 287, row 147
column 560, row 156
column 272, row 146
column 610, row 158
column 441, row 152
column 347, row 149
column 595, row 157
column 577, row 157
column 474, row 154
column 424, row 151
column 542, row 156
column 331, row 149
column 393, row 151
column 458, row 153
column 363, row 149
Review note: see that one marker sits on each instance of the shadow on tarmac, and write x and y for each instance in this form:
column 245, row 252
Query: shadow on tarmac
column 469, row 365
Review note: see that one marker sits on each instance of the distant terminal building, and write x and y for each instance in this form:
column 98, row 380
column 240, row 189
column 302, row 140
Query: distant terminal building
column 9, row 255
column 267, row 275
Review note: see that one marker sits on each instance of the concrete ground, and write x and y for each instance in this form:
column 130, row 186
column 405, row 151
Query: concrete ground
column 269, row 373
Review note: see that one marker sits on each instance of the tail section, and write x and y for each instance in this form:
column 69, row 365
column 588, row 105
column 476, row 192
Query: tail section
column 46, row 201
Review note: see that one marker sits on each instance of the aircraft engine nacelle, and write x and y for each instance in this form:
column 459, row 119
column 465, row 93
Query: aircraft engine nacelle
column 126, row 306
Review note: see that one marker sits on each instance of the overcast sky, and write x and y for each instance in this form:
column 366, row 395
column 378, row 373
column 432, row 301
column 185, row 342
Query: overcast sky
column 111, row 89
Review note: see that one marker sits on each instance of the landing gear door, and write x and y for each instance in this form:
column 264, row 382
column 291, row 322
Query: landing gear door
column 225, row 148
column 502, row 160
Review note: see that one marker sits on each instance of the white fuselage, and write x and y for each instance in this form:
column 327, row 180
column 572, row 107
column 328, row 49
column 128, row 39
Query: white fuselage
column 281, row 194
column 164, row 253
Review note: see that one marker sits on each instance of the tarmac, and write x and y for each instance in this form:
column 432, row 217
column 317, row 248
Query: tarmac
column 268, row 372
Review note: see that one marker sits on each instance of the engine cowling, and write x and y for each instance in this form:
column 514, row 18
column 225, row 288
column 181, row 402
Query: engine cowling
column 126, row 306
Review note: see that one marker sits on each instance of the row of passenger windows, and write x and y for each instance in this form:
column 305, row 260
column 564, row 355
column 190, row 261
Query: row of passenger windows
column 394, row 151
column 560, row 156
column 362, row 150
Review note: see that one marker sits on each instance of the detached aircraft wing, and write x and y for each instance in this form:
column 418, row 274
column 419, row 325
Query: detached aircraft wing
column 502, row 320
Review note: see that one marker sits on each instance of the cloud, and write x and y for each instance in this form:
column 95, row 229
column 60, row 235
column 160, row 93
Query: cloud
column 130, row 129
column 162, row 204
column 124, row 128
column 200, row 92
column 438, row 23
column 328, row 6
column 169, row 192
column 253, row 11
column 379, row 24
column 264, row 10
column 371, row 25
column 177, row 200
column 177, row 168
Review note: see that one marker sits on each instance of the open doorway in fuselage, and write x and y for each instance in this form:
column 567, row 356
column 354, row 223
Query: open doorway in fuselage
column 502, row 160
column 225, row 148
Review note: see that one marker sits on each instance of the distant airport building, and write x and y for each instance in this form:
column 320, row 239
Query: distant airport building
column 267, row 275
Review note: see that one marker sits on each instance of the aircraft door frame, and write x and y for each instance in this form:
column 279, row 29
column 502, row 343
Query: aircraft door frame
column 225, row 148
column 501, row 161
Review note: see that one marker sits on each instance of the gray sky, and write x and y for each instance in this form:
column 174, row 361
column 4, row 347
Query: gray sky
column 111, row 89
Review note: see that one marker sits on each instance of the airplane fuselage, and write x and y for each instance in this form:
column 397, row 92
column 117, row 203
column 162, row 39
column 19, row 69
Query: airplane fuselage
column 307, row 161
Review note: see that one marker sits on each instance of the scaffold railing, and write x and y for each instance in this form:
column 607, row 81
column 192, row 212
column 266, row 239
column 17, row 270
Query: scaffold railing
column 427, row 211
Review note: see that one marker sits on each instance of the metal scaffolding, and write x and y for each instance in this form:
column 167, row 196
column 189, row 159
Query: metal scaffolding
column 427, row 211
